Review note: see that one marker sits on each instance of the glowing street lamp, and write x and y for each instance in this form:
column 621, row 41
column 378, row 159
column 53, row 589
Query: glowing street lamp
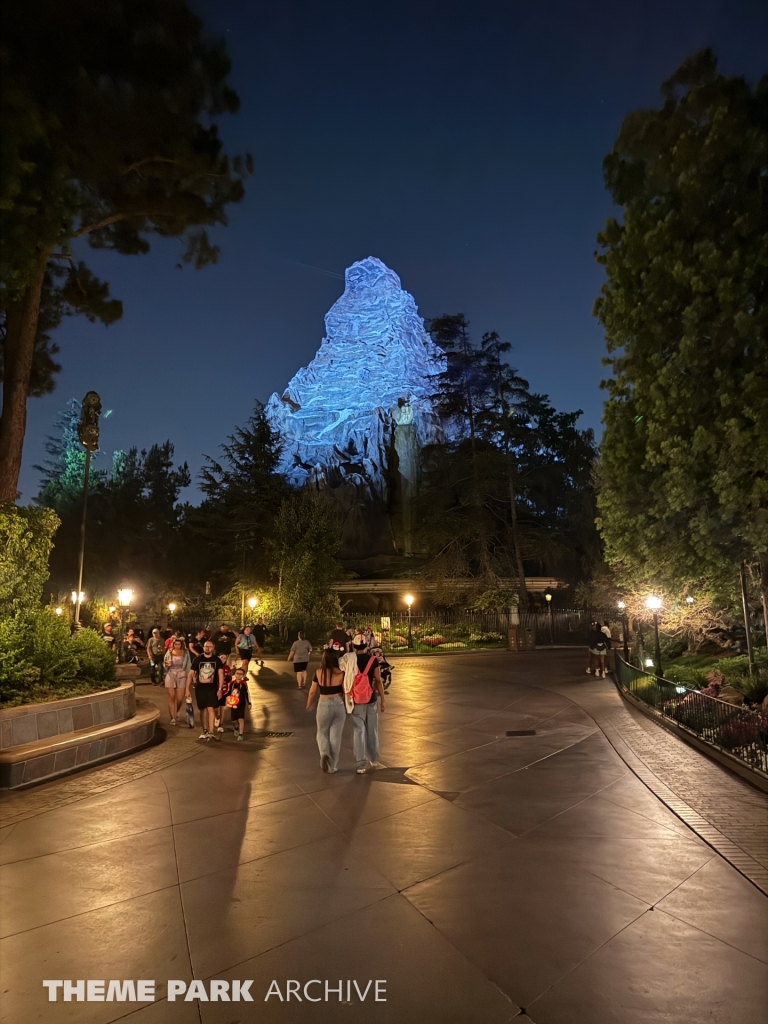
column 252, row 602
column 654, row 604
column 172, row 607
column 548, row 599
column 59, row 611
column 77, row 599
column 409, row 602
column 124, row 598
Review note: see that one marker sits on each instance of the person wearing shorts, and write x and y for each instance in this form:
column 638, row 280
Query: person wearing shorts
column 598, row 645
column 246, row 643
column 206, row 675
column 239, row 690
column 176, row 666
column 299, row 655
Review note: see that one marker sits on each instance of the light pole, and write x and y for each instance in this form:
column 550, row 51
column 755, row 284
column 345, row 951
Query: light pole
column 252, row 602
column 624, row 629
column 77, row 599
column 548, row 599
column 745, row 606
column 654, row 603
column 409, row 602
column 88, row 433
column 124, row 598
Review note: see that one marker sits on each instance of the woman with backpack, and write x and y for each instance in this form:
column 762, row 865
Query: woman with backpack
column 328, row 684
column 368, row 696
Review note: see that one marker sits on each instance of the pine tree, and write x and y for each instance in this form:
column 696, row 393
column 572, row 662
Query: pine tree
column 109, row 136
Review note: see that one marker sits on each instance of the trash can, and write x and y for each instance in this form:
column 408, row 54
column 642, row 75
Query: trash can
column 521, row 638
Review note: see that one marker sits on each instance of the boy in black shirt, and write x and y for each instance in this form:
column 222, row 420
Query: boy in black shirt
column 237, row 700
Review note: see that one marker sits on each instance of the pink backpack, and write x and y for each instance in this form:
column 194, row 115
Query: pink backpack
column 361, row 685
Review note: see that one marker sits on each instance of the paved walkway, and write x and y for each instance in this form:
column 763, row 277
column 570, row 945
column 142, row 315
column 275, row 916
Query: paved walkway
column 487, row 877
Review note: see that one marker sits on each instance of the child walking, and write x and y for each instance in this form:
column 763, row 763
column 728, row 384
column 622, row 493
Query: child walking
column 223, row 692
column 237, row 700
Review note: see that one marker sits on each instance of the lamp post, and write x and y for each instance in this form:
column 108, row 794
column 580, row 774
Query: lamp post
column 77, row 599
column 654, row 603
column 58, row 611
column 88, row 434
column 745, row 607
column 124, row 598
column 409, row 602
column 624, row 628
column 252, row 602
column 548, row 599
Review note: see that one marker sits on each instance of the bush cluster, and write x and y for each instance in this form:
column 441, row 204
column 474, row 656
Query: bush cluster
column 40, row 660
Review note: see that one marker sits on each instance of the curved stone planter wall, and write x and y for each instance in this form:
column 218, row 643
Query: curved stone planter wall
column 40, row 741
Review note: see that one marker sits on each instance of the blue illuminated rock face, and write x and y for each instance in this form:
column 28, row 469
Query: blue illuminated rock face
column 337, row 417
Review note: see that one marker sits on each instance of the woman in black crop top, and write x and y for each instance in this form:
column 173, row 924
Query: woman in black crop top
column 328, row 684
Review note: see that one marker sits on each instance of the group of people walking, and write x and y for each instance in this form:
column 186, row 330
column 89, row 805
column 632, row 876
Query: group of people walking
column 216, row 666
column 348, row 684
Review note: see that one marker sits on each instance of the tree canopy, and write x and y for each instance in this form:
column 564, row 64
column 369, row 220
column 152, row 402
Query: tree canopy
column 109, row 135
column 514, row 485
column 684, row 467
column 134, row 513
column 243, row 492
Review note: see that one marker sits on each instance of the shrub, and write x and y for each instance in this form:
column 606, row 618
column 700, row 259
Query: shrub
column 741, row 732
column 695, row 678
column 39, row 658
column 754, row 688
column 26, row 538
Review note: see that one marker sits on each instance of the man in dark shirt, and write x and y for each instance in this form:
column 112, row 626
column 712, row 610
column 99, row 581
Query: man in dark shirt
column 207, row 676
column 223, row 640
column 108, row 636
column 365, row 717
column 196, row 641
column 260, row 634
column 339, row 639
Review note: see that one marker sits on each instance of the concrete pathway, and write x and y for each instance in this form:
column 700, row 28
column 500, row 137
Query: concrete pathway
column 485, row 877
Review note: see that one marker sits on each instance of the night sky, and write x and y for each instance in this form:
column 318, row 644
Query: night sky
column 460, row 142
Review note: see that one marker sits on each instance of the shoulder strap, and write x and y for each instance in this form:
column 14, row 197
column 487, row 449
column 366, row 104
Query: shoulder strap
column 368, row 666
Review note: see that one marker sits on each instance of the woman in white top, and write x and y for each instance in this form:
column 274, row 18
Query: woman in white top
column 299, row 655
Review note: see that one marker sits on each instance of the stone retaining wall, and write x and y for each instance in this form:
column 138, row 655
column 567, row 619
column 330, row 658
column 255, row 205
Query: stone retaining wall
column 31, row 722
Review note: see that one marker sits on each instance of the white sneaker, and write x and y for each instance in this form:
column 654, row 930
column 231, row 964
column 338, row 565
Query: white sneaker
column 589, row 671
column 204, row 735
column 376, row 765
column 219, row 728
column 361, row 771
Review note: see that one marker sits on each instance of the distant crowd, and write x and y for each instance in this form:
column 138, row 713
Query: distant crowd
column 350, row 682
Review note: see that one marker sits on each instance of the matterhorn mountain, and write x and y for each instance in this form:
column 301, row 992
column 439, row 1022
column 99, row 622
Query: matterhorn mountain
column 354, row 419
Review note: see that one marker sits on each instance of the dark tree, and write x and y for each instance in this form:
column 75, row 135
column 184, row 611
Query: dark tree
column 109, row 135
column 684, row 467
column 243, row 493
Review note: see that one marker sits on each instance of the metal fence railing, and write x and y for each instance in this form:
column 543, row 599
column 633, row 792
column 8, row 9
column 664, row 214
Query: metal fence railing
column 441, row 629
column 737, row 730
